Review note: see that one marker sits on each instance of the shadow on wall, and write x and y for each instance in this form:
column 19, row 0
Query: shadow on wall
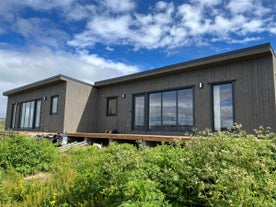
column 88, row 121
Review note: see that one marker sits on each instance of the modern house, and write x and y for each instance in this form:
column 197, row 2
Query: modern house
column 213, row 92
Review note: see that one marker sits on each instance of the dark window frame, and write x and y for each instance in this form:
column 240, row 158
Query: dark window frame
column 13, row 115
column 177, row 127
column 140, row 127
column 32, row 125
column 108, row 102
column 232, row 82
column 52, row 105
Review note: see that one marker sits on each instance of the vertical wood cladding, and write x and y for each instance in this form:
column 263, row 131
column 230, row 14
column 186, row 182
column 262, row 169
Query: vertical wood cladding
column 50, row 123
column 254, row 94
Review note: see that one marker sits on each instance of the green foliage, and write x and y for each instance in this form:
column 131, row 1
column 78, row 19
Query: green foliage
column 213, row 169
column 26, row 155
column 2, row 125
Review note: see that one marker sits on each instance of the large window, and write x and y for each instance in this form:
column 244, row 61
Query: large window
column 54, row 105
column 30, row 114
column 167, row 110
column 111, row 106
column 223, row 106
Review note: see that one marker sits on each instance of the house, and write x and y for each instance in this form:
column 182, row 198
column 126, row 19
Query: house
column 213, row 92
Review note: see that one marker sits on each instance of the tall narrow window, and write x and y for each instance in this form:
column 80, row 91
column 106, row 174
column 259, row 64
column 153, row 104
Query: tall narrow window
column 169, row 109
column 223, row 106
column 37, row 113
column 13, row 116
column 185, row 107
column 111, row 106
column 139, row 111
column 54, row 105
column 154, row 110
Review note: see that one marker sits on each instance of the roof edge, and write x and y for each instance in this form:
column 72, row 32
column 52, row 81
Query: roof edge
column 249, row 51
column 53, row 79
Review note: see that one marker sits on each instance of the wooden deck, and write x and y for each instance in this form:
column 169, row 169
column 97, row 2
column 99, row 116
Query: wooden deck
column 134, row 137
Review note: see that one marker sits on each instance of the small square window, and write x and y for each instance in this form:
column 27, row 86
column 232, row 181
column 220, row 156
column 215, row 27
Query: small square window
column 54, row 105
column 111, row 106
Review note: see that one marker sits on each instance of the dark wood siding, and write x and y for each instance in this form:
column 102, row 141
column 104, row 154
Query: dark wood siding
column 254, row 94
column 48, row 122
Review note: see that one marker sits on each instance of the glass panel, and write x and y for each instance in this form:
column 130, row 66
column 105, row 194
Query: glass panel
column 37, row 115
column 27, row 114
column 185, row 107
column 223, row 106
column 54, row 105
column 13, row 116
column 22, row 115
column 154, row 110
column 139, row 117
column 169, row 109
column 111, row 106
column 31, row 116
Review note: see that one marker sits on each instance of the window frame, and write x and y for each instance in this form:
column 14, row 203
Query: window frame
column 52, row 105
column 29, row 121
column 162, row 127
column 13, row 115
column 232, row 82
column 143, row 126
column 108, row 103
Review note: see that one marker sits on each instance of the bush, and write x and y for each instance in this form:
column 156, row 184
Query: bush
column 26, row 155
column 221, row 169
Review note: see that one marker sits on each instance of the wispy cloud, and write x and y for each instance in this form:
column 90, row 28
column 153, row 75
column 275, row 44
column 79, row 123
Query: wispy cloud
column 171, row 26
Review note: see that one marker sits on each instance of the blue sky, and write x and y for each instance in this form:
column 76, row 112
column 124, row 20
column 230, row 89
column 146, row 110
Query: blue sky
column 93, row 40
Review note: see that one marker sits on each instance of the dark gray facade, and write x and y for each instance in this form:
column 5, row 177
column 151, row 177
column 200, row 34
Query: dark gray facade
column 213, row 92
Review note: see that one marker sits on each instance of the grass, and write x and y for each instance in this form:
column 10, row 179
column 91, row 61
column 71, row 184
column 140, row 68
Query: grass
column 2, row 125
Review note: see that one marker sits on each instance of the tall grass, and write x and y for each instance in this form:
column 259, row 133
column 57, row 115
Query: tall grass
column 2, row 125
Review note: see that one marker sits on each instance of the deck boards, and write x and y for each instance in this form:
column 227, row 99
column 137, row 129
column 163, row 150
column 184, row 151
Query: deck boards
column 142, row 137
column 135, row 137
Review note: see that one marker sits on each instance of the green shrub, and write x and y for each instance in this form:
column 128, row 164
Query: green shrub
column 26, row 155
column 221, row 169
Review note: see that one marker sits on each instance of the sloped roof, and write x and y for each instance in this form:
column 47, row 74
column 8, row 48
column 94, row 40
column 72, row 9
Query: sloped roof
column 49, row 81
column 249, row 52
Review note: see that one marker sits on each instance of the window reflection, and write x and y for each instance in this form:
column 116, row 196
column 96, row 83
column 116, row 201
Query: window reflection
column 223, row 106
column 171, row 110
column 139, row 110
column 154, row 110
column 185, row 107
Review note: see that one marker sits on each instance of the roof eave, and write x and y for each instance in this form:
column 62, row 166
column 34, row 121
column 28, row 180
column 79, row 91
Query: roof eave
column 215, row 59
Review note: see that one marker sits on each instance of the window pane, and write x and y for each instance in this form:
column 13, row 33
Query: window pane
column 27, row 114
column 22, row 115
column 38, row 111
column 139, row 103
column 223, row 106
column 13, row 116
column 111, row 106
column 169, row 109
column 154, row 110
column 31, row 115
column 185, row 107
column 54, row 105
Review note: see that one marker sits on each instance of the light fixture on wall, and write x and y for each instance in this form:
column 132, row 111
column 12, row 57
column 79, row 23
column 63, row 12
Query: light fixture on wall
column 123, row 95
column 200, row 85
column 45, row 98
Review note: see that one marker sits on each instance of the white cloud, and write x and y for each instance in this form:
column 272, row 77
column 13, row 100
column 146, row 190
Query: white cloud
column 18, row 68
column 168, row 26
column 118, row 5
